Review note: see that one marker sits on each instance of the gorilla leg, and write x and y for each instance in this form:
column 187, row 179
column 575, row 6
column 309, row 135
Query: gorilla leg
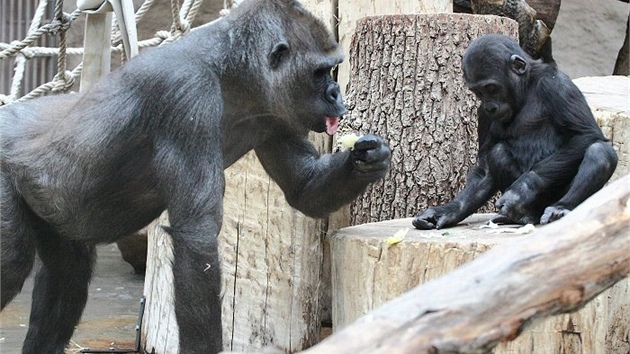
column 60, row 292
column 197, row 283
column 17, row 244
column 598, row 164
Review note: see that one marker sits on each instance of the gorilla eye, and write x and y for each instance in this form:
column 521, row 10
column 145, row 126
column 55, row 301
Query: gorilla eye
column 325, row 71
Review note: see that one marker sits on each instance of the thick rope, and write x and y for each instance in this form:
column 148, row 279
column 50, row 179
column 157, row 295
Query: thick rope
column 64, row 79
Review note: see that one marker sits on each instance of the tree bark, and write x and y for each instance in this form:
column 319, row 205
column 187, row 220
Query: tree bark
column 406, row 85
column 546, row 10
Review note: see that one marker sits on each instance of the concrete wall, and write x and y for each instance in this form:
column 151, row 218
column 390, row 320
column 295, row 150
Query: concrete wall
column 588, row 35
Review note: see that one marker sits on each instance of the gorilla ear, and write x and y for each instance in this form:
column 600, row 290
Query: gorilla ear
column 518, row 64
column 278, row 54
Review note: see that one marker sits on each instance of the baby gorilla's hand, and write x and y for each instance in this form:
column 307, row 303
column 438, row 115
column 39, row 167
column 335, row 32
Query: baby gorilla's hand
column 438, row 217
column 370, row 157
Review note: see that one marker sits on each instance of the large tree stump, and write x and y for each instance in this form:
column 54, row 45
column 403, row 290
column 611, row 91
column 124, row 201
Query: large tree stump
column 351, row 11
column 271, row 261
column 407, row 86
column 559, row 267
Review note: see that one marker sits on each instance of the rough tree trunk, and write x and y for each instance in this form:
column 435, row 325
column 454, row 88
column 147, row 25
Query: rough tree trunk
column 406, row 85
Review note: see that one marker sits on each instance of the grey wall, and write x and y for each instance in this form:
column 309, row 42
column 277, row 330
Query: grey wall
column 588, row 35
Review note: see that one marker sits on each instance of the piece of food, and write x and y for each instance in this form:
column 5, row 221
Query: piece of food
column 348, row 140
column 398, row 236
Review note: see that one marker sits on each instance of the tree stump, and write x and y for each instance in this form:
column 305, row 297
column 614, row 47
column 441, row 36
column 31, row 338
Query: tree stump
column 609, row 100
column 351, row 11
column 271, row 261
column 406, row 85
column 367, row 273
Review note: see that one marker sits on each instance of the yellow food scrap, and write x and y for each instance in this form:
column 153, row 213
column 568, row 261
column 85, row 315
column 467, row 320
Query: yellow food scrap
column 398, row 236
column 348, row 140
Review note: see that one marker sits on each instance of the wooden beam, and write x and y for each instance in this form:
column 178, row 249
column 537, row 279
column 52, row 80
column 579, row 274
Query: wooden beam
column 97, row 48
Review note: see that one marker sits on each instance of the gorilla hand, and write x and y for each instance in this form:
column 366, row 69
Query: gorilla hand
column 515, row 203
column 370, row 158
column 438, row 217
column 553, row 213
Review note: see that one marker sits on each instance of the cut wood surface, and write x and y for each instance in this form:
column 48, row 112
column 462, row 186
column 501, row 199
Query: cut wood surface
column 367, row 273
column 557, row 269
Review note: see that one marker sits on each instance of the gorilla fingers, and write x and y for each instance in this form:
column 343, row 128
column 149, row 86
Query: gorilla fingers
column 370, row 157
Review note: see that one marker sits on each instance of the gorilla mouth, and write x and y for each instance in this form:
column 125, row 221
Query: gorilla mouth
column 332, row 123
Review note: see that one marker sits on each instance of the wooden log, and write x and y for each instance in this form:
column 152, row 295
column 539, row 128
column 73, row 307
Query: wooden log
column 160, row 333
column 407, row 86
column 557, row 269
column 271, row 256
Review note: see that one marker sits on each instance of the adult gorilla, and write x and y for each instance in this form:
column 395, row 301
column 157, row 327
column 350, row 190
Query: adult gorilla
column 79, row 170
column 539, row 143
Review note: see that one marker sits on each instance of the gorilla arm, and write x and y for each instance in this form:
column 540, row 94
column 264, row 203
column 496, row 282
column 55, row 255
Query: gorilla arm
column 479, row 188
column 318, row 184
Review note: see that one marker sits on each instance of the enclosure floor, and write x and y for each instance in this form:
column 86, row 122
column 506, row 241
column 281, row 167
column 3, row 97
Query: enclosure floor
column 109, row 318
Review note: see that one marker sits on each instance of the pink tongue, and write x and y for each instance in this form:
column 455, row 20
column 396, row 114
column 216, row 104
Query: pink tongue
column 332, row 123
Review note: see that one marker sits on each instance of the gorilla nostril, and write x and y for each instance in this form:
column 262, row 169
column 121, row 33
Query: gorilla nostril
column 332, row 92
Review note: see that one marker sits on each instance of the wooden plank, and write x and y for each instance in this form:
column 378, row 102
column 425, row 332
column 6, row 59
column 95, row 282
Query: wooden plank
column 97, row 48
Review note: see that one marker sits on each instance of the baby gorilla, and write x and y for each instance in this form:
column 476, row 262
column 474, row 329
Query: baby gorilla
column 539, row 143
column 83, row 169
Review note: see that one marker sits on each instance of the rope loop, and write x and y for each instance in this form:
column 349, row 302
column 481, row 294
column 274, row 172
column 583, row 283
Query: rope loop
column 63, row 81
column 60, row 25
